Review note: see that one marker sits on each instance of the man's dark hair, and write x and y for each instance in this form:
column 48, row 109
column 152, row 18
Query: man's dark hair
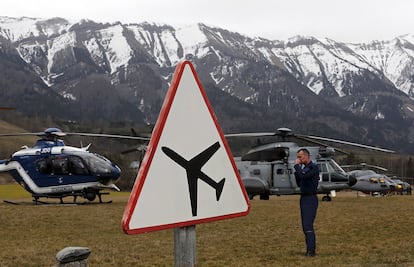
column 304, row 150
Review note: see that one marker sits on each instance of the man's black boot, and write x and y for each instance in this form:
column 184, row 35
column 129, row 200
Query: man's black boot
column 310, row 253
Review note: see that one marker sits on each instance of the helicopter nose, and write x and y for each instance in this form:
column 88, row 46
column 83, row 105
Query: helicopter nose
column 352, row 180
column 116, row 172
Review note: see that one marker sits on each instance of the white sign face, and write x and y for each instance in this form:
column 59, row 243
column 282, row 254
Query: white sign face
column 188, row 174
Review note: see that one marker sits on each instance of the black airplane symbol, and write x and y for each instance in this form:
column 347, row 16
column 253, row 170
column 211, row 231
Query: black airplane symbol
column 193, row 169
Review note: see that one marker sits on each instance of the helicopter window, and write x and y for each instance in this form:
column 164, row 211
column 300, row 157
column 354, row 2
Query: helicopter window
column 322, row 168
column 76, row 166
column 279, row 171
column 325, row 177
column 336, row 167
column 44, row 166
column 60, row 165
column 329, row 168
column 256, row 172
column 97, row 164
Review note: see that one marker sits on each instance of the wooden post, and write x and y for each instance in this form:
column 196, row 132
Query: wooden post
column 185, row 246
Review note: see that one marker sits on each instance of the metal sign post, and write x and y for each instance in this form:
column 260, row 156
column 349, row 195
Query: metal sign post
column 185, row 246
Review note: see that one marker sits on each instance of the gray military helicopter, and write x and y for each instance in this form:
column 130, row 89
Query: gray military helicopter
column 268, row 169
column 371, row 182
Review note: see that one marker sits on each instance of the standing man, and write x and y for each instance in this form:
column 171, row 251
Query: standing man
column 307, row 175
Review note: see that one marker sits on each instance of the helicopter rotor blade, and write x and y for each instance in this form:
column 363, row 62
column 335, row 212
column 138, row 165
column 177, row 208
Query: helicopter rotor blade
column 47, row 132
column 347, row 143
column 111, row 136
column 320, row 143
column 364, row 165
column 51, row 132
column 20, row 134
column 141, row 148
column 129, row 151
column 376, row 167
column 250, row 134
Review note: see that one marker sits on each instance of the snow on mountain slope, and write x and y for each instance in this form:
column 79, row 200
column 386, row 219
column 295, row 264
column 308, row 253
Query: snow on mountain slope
column 159, row 41
column 97, row 54
column 320, row 64
column 55, row 45
column 193, row 40
column 394, row 58
column 16, row 29
column 117, row 50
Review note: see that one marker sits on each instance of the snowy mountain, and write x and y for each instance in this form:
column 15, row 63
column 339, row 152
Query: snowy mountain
column 116, row 71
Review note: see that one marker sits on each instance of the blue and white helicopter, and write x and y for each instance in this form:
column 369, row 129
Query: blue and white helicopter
column 50, row 169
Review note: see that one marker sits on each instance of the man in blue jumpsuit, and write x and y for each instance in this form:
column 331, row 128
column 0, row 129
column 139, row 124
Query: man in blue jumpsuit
column 307, row 176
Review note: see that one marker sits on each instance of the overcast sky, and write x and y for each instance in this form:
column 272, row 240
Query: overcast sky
column 347, row 21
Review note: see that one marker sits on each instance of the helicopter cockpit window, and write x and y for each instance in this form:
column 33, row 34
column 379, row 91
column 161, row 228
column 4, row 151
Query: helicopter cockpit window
column 336, row 167
column 76, row 166
column 98, row 165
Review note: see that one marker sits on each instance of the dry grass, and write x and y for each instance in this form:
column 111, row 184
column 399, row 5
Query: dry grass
column 351, row 231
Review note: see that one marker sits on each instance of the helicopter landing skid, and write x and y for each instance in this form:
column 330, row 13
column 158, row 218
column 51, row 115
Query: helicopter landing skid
column 36, row 198
column 38, row 202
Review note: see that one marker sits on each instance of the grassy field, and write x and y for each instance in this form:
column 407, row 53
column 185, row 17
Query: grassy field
column 351, row 231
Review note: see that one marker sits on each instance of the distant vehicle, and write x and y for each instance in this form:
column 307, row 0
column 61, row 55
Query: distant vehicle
column 404, row 187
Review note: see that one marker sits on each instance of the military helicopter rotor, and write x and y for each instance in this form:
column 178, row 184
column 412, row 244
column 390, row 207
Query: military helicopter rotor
column 364, row 166
column 285, row 133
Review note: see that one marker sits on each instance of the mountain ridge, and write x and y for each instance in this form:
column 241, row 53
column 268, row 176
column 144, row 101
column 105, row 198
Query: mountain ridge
column 305, row 83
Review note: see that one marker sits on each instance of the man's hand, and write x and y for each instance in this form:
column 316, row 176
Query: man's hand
column 297, row 161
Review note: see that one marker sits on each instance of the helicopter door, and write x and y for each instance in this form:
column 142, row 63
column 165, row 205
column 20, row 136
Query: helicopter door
column 282, row 181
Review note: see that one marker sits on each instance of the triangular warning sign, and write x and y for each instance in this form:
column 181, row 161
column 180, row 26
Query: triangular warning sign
column 188, row 175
